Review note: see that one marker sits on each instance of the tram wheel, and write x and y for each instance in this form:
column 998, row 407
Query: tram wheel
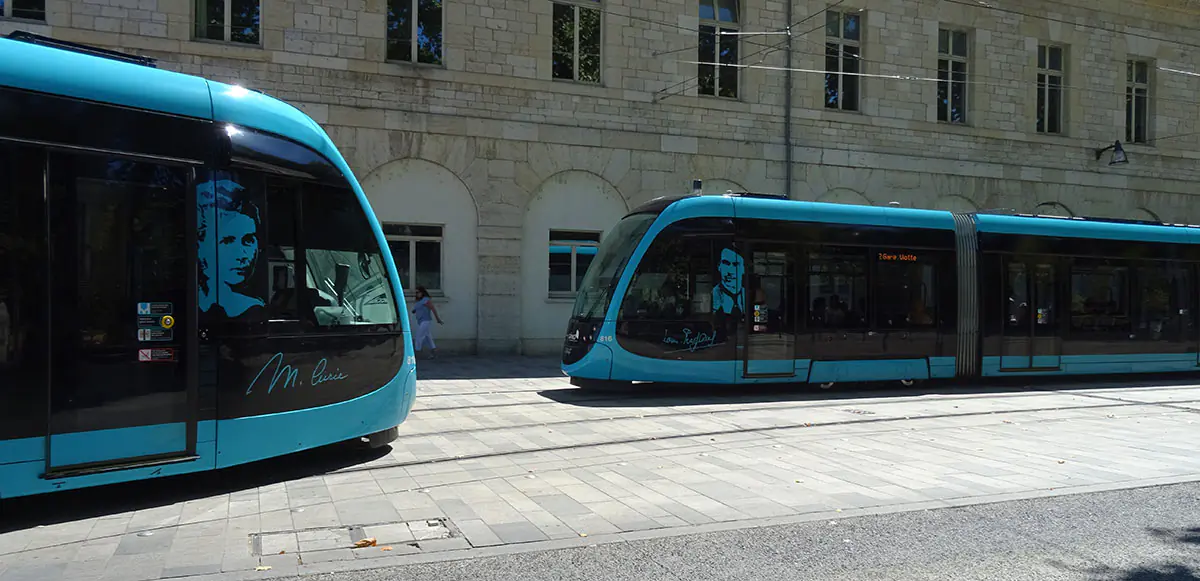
column 826, row 385
column 907, row 382
column 380, row 438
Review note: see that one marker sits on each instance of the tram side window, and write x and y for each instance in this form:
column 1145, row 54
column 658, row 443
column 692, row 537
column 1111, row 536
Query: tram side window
column 302, row 251
column 1100, row 301
column 905, row 292
column 837, row 288
column 1164, row 300
column 686, row 297
column 673, row 282
column 346, row 279
column 23, row 313
column 280, row 249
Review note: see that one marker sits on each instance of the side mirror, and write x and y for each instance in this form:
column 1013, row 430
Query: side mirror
column 364, row 264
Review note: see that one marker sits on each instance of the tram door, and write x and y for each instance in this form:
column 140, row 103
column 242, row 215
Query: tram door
column 770, row 328
column 1031, row 316
column 121, row 301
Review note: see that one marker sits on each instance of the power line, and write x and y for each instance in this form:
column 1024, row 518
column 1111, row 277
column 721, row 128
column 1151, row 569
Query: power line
column 659, row 97
column 910, row 78
column 987, row 6
column 771, row 48
column 1007, row 80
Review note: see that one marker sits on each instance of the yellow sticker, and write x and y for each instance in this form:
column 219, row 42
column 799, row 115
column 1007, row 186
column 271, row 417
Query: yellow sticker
column 168, row 321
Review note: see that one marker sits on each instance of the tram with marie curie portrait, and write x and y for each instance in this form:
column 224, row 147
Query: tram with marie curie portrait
column 747, row 288
column 190, row 277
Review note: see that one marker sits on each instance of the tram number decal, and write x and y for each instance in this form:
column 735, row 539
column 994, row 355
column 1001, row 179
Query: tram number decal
column 604, row 339
column 290, row 374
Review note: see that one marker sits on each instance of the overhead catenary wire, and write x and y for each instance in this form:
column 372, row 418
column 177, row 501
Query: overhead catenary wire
column 991, row 6
column 1002, row 81
column 911, row 78
column 771, row 48
column 1005, row 80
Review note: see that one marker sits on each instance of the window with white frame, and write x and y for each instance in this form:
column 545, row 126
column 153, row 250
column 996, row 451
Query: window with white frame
column 417, row 251
column 577, row 41
column 571, row 252
column 952, row 76
column 718, row 44
column 1137, row 101
column 26, row 9
column 229, row 20
column 843, row 51
column 1051, row 69
column 414, row 31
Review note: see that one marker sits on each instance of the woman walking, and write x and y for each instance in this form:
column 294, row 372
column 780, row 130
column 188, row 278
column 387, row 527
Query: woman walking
column 423, row 308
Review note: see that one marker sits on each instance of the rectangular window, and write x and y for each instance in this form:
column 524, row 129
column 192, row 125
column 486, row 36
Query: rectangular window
column 417, row 251
column 1163, row 301
column 905, row 291
column 718, row 45
column 1137, row 101
column 571, row 253
column 27, row 9
column 1051, row 67
column 843, row 49
column 414, row 31
column 577, row 42
column 1100, row 301
column 952, row 76
column 229, row 20
column 837, row 288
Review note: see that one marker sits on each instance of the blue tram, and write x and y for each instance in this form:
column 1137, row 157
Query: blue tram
column 190, row 277
column 748, row 288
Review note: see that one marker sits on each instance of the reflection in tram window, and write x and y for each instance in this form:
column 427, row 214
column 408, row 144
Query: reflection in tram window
column 346, row 280
column 837, row 288
column 1165, row 293
column 280, row 249
column 686, row 298
column 905, row 295
column 1100, row 301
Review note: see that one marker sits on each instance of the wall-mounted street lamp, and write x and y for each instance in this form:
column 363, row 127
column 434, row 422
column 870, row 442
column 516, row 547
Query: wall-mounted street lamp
column 1118, row 155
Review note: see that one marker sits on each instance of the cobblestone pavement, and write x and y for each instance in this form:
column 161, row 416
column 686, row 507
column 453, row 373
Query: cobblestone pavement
column 504, row 454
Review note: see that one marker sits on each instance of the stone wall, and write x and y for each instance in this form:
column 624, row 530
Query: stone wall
column 494, row 122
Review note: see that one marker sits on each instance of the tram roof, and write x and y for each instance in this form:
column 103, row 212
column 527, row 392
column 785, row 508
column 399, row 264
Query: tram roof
column 37, row 63
column 777, row 207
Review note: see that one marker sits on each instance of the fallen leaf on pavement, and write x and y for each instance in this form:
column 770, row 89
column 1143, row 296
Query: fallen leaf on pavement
column 365, row 543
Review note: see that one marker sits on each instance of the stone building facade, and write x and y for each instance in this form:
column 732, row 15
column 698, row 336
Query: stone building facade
column 505, row 123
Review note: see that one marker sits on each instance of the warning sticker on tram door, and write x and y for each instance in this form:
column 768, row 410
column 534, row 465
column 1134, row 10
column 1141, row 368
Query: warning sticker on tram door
column 155, row 309
column 155, row 321
column 159, row 334
column 156, row 355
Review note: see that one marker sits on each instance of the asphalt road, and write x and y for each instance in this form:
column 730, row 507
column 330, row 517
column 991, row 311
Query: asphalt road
column 1149, row 534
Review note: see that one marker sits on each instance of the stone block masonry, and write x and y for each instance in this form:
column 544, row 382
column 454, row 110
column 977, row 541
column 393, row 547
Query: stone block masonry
column 497, row 135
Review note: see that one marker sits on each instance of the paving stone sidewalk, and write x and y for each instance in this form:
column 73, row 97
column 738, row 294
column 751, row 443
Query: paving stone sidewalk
column 503, row 453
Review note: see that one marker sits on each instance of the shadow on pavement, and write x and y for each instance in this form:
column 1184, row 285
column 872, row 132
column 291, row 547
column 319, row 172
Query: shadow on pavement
column 674, row 394
column 72, row 505
column 1173, row 571
column 473, row 367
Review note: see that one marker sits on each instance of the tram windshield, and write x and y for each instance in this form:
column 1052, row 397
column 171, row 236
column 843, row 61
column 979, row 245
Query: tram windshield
column 597, row 286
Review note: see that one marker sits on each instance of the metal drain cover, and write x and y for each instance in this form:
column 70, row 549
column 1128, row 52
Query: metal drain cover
column 344, row 537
